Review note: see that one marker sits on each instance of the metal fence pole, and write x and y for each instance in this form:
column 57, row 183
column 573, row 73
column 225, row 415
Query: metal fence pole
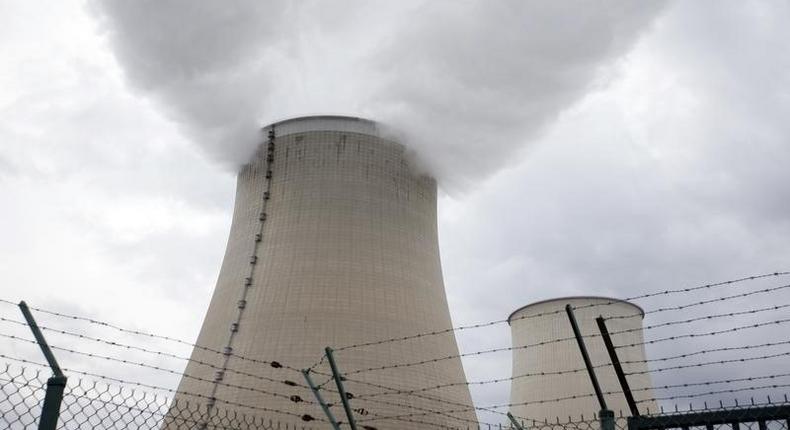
column 320, row 399
column 605, row 415
column 514, row 422
column 618, row 368
column 56, row 384
column 607, row 419
column 340, row 389
column 586, row 357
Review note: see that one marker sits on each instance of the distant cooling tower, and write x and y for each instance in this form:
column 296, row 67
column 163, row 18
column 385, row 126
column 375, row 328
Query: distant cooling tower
column 333, row 243
column 533, row 396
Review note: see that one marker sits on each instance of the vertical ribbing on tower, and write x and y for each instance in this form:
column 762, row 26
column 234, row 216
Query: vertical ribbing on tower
column 349, row 254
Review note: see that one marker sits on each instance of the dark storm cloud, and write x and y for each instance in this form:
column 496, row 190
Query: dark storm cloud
column 467, row 84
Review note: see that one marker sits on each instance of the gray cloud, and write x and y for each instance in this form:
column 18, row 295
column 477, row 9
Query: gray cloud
column 673, row 176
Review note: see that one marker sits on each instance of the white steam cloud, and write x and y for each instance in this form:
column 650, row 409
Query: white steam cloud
column 468, row 83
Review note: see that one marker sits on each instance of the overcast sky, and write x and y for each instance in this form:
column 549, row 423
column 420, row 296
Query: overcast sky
column 608, row 150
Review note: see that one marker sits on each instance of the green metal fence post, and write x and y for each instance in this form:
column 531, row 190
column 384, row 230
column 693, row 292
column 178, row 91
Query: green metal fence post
column 607, row 419
column 340, row 389
column 514, row 422
column 320, row 400
column 618, row 368
column 50, row 412
column 56, row 385
column 605, row 415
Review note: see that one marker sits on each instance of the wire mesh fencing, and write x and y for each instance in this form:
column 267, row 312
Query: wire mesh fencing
column 592, row 423
column 91, row 404
column 766, row 416
column 98, row 405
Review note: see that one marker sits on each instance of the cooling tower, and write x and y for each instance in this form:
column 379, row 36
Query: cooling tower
column 333, row 243
column 533, row 395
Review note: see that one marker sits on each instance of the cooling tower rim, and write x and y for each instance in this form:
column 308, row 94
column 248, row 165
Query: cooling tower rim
column 324, row 122
column 560, row 299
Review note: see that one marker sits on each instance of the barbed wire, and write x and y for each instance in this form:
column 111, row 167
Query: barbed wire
column 411, row 407
column 751, row 311
column 153, row 387
column 103, row 324
column 465, row 408
column 711, row 393
column 543, row 343
column 557, row 340
column 653, row 294
column 642, row 389
column 699, row 318
column 394, row 392
column 560, row 372
column 579, row 369
column 275, row 364
column 664, row 387
column 484, row 382
column 709, row 286
column 460, row 355
column 714, row 382
column 397, row 391
column 710, row 363
column 704, row 334
column 700, row 303
column 707, row 351
column 426, row 411
column 547, row 313
column 153, row 352
column 705, row 317
column 157, row 368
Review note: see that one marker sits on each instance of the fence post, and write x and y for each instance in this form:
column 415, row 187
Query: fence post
column 632, row 423
column 607, row 419
column 514, row 422
column 320, row 399
column 340, row 389
column 605, row 415
column 618, row 368
column 55, row 385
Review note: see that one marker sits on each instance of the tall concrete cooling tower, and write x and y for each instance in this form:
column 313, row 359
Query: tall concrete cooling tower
column 533, row 396
column 333, row 243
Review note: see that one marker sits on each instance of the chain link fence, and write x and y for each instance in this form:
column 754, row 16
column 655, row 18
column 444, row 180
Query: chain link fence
column 91, row 404
column 593, row 423
column 98, row 405
column 766, row 416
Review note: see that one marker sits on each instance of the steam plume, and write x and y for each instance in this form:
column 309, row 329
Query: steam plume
column 468, row 83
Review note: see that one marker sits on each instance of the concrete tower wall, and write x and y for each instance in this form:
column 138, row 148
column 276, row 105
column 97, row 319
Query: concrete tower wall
column 547, row 320
column 347, row 253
